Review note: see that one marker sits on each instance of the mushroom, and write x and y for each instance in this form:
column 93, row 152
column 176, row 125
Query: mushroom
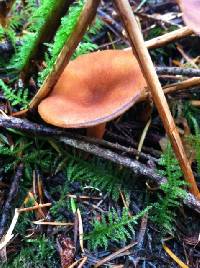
column 94, row 89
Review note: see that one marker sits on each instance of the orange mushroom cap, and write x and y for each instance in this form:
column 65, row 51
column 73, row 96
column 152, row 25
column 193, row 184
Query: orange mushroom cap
column 93, row 89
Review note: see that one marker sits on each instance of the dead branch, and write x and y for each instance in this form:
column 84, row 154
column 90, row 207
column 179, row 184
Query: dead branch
column 167, row 38
column 169, row 89
column 137, row 168
column 191, row 82
column 190, row 72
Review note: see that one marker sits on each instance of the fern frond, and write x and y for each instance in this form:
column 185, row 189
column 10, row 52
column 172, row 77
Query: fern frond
column 104, row 176
column 68, row 24
column 113, row 227
column 37, row 21
column 164, row 213
column 15, row 97
column 39, row 252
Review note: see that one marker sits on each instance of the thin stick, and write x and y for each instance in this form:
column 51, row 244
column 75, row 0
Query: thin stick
column 195, row 103
column 174, row 257
column 9, row 235
column 53, row 223
column 142, row 138
column 167, row 38
column 80, row 230
column 114, row 255
column 34, row 207
column 86, row 17
column 191, row 82
column 151, row 77
column 82, row 262
column 186, row 84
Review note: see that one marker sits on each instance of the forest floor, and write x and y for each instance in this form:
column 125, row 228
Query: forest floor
column 67, row 200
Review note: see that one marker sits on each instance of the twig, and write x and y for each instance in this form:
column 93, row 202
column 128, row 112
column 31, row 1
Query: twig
column 190, row 72
column 120, row 147
column 135, row 166
column 150, row 75
column 140, row 237
column 191, row 82
column 53, row 223
column 142, row 138
column 143, row 227
column 114, row 255
column 169, row 89
column 86, row 17
column 27, row 126
column 70, row 139
column 174, row 257
column 80, row 230
column 10, row 199
column 157, row 18
column 73, row 265
column 82, row 262
column 167, row 38
column 195, row 103
column 9, row 235
column 34, row 207
column 152, row 151
column 109, row 20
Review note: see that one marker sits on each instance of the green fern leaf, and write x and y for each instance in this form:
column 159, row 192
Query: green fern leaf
column 113, row 227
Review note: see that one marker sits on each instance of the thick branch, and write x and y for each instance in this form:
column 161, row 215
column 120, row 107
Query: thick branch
column 190, row 72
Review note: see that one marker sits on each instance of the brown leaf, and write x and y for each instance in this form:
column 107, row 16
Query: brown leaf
column 66, row 250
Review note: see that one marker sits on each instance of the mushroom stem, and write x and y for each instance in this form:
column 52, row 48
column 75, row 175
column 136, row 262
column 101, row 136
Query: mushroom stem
column 96, row 131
